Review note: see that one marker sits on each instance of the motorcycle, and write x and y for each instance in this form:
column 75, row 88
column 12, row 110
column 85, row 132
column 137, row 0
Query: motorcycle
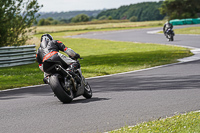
column 170, row 34
column 63, row 84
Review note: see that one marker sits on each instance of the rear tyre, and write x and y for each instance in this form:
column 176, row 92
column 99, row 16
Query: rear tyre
column 57, row 85
column 87, row 91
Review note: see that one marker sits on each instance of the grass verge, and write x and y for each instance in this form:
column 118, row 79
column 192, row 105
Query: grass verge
column 190, row 30
column 98, row 27
column 101, row 57
column 183, row 123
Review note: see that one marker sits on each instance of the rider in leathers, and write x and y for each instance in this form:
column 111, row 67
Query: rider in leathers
column 167, row 26
column 49, row 49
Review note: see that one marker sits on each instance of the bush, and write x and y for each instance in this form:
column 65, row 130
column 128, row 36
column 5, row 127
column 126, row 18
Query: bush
column 133, row 19
column 44, row 22
column 16, row 16
column 80, row 18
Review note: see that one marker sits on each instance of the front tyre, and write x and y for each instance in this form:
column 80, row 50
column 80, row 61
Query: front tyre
column 87, row 91
column 64, row 95
column 172, row 38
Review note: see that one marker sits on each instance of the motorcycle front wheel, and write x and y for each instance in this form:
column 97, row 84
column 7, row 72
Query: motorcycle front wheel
column 87, row 91
column 172, row 38
column 57, row 85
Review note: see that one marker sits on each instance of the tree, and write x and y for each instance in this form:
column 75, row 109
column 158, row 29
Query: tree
column 109, row 18
column 103, row 17
column 48, row 21
column 43, row 22
column 80, row 18
column 180, row 9
column 55, row 22
column 16, row 18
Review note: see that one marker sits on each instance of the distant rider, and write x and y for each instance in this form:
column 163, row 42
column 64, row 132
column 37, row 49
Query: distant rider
column 49, row 50
column 167, row 26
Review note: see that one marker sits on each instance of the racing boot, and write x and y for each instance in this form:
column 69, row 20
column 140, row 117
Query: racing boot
column 46, row 80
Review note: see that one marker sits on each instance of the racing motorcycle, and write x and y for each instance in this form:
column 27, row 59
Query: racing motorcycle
column 170, row 34
column 63, row 84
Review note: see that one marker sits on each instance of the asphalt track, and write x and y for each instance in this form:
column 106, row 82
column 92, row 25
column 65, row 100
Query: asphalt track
column 118, row 100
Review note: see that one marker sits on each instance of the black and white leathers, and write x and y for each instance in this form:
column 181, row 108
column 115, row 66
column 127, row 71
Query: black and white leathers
column 47, row 47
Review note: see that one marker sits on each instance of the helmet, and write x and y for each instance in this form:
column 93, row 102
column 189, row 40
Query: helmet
column 46, row 37
column 167, row 22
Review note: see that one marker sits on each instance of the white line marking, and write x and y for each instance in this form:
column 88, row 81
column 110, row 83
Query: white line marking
column 22, row 88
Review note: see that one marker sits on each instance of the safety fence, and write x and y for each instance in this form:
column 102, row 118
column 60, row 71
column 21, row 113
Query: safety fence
column 17, row 55
column 185, row 21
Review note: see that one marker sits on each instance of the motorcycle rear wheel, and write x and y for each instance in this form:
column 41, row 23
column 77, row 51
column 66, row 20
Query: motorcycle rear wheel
column 56, row 82
column 87, row 91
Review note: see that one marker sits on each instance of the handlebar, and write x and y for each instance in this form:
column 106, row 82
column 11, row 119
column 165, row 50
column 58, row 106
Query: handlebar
column 76, row 58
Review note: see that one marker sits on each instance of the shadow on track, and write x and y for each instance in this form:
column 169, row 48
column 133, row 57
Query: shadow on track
column 23, row 92
column 93, row 99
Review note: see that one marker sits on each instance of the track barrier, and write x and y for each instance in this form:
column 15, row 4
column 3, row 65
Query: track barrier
column 185, row 21
column 17, row 55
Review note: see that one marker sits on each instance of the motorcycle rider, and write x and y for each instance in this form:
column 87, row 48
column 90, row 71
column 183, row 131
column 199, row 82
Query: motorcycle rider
column 167, row 26
column 49, row 49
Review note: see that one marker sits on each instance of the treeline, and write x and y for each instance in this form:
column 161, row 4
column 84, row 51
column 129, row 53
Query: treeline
column 67, row 15
column 145, row 11
column 51, row 21
column 135, row 12
column 179, row 9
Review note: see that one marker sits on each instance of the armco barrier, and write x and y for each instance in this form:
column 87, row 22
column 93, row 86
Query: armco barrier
column 17, row 55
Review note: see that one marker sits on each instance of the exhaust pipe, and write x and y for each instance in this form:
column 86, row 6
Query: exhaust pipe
column 59, row 68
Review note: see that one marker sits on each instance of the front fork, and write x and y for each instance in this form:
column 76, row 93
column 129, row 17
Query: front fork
column 82, row 77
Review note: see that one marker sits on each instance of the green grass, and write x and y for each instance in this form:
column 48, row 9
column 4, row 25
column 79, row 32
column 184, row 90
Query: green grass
column 183, row 123
column 20, row 76
column 190, row 30
column 98, row 27
column 101, row 57
column 69, row 30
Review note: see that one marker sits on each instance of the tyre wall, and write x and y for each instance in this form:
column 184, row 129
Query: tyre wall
column 185, row 21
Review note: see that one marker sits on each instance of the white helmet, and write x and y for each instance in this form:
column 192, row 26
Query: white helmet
column 46, row 37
